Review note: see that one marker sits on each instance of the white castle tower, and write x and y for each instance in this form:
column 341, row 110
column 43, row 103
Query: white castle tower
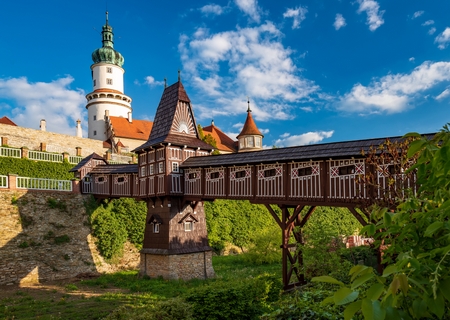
column 107, row 98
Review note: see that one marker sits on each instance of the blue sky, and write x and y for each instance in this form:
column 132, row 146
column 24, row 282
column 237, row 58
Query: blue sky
column 315, row 71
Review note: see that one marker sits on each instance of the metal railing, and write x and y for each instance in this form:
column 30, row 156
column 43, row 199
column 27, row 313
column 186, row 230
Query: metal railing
column 10, row 152
column 43, row 184
column 75, row 159
column 3, row 181
column 45, row 156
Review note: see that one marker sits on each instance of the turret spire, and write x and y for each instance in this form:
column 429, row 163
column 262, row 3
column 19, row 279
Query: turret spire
column 248, row 103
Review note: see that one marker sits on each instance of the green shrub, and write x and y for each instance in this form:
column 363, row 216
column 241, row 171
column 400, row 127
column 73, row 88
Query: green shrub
column 244, row 299
column 266, row 247
column 110, row 233
column 61, row 239
column 56, row 204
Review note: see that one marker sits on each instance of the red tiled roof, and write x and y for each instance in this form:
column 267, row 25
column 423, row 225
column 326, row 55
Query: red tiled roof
column 249, row 127
column 6, row 120
column 137, row 129
column 224, row 142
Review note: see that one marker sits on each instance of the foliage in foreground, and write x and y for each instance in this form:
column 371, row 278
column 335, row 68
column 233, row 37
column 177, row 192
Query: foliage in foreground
column 36, row 169
column 415, row 283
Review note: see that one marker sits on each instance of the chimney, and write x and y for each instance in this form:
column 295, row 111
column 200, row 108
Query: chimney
column 43, row 125
column 79, row 131
column 212, row 122
column 129, row 117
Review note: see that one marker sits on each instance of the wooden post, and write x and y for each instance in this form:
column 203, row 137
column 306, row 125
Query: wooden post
column 24, row 152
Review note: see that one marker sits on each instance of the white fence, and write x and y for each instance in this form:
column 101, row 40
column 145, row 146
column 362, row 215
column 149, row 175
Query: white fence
column 117, row 158
column 43, row 184
column 75, row 159
column 45, row 156
column 10, row 152
column 3, row 181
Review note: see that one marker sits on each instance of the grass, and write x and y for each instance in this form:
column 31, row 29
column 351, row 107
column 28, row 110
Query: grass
column 97, row 298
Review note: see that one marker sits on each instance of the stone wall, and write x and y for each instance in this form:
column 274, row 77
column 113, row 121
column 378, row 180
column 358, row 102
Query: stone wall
column 46, row 236
column 18, row 137
column 181, row 266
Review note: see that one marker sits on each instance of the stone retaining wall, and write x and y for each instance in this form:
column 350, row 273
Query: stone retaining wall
column 40, row 243
column 18, row 137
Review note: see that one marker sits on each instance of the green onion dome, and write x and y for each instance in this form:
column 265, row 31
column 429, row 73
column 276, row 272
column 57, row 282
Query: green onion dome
column 107, row 53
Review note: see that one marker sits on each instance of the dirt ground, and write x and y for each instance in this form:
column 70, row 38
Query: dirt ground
column 57, row 289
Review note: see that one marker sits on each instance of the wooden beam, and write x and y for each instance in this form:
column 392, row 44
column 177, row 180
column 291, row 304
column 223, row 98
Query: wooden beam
column 307, row 216
column 274, row 215
column 357, row 216
column 294, row 216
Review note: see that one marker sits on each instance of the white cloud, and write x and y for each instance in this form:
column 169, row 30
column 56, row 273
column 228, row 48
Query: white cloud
column 53, row 101
column 418, row 14
column 149, row 80
column 264, row 131
column 339, row 21
column 286, row 140
column 443, row 94
column 393, row 92
column 248, row 60
column 303, row 55
column 431, row 31
column 306, row 109
column 212, row 9
column 428, row 23
column 412, row 59
column 298, row 14
column 443, row 39
column 374, row 16
column 250, row 7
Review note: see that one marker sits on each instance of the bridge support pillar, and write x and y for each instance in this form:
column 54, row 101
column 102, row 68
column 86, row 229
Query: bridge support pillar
column 176, row 241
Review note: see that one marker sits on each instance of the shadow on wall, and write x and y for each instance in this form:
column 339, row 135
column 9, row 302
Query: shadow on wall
column 44, row 236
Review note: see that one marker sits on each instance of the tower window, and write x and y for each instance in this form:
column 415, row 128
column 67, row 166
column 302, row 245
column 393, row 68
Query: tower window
column 109, row 69
column 95, row 118
column 108, row 81
column 95, row 82
column 95, row 133
column 250, row 142
column 257, row 142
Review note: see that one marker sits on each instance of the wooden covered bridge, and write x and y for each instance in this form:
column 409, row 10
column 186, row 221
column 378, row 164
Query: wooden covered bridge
column 175, row 174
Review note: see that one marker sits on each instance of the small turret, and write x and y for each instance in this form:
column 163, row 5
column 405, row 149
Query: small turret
column 250, row 138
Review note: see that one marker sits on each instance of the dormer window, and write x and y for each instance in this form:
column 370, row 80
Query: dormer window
column 250, row 142
column 188, row 226
column 109, row 81
column 156, row 228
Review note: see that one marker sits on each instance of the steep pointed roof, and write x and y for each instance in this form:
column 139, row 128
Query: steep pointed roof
column 250, row 127
column 224, row 142
column 174, row 121
column 8, row 121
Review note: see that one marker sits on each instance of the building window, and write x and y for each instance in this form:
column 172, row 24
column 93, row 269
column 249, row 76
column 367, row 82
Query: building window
column 161, row 167
column 150, row 169
column 95, row 132
column 188, row 226
column 109, row 69
column 257, row 142
column 241, row 144
column 250, row 142
column 156, row 228
column 175, row 167
column 95, row 82
column 108, row 81
column 95, row 118
column 142, row 171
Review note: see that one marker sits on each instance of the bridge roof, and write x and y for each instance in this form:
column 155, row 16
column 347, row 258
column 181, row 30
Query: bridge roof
column 323, row 151
column 116, row 169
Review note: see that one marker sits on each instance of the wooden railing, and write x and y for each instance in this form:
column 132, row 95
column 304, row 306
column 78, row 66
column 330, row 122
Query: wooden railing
column 75, row 159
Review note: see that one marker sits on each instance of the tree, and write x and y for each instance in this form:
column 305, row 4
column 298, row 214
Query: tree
column 415, row 283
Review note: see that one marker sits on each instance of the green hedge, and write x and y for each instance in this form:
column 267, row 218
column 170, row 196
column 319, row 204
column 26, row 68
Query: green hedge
column 36, row 169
